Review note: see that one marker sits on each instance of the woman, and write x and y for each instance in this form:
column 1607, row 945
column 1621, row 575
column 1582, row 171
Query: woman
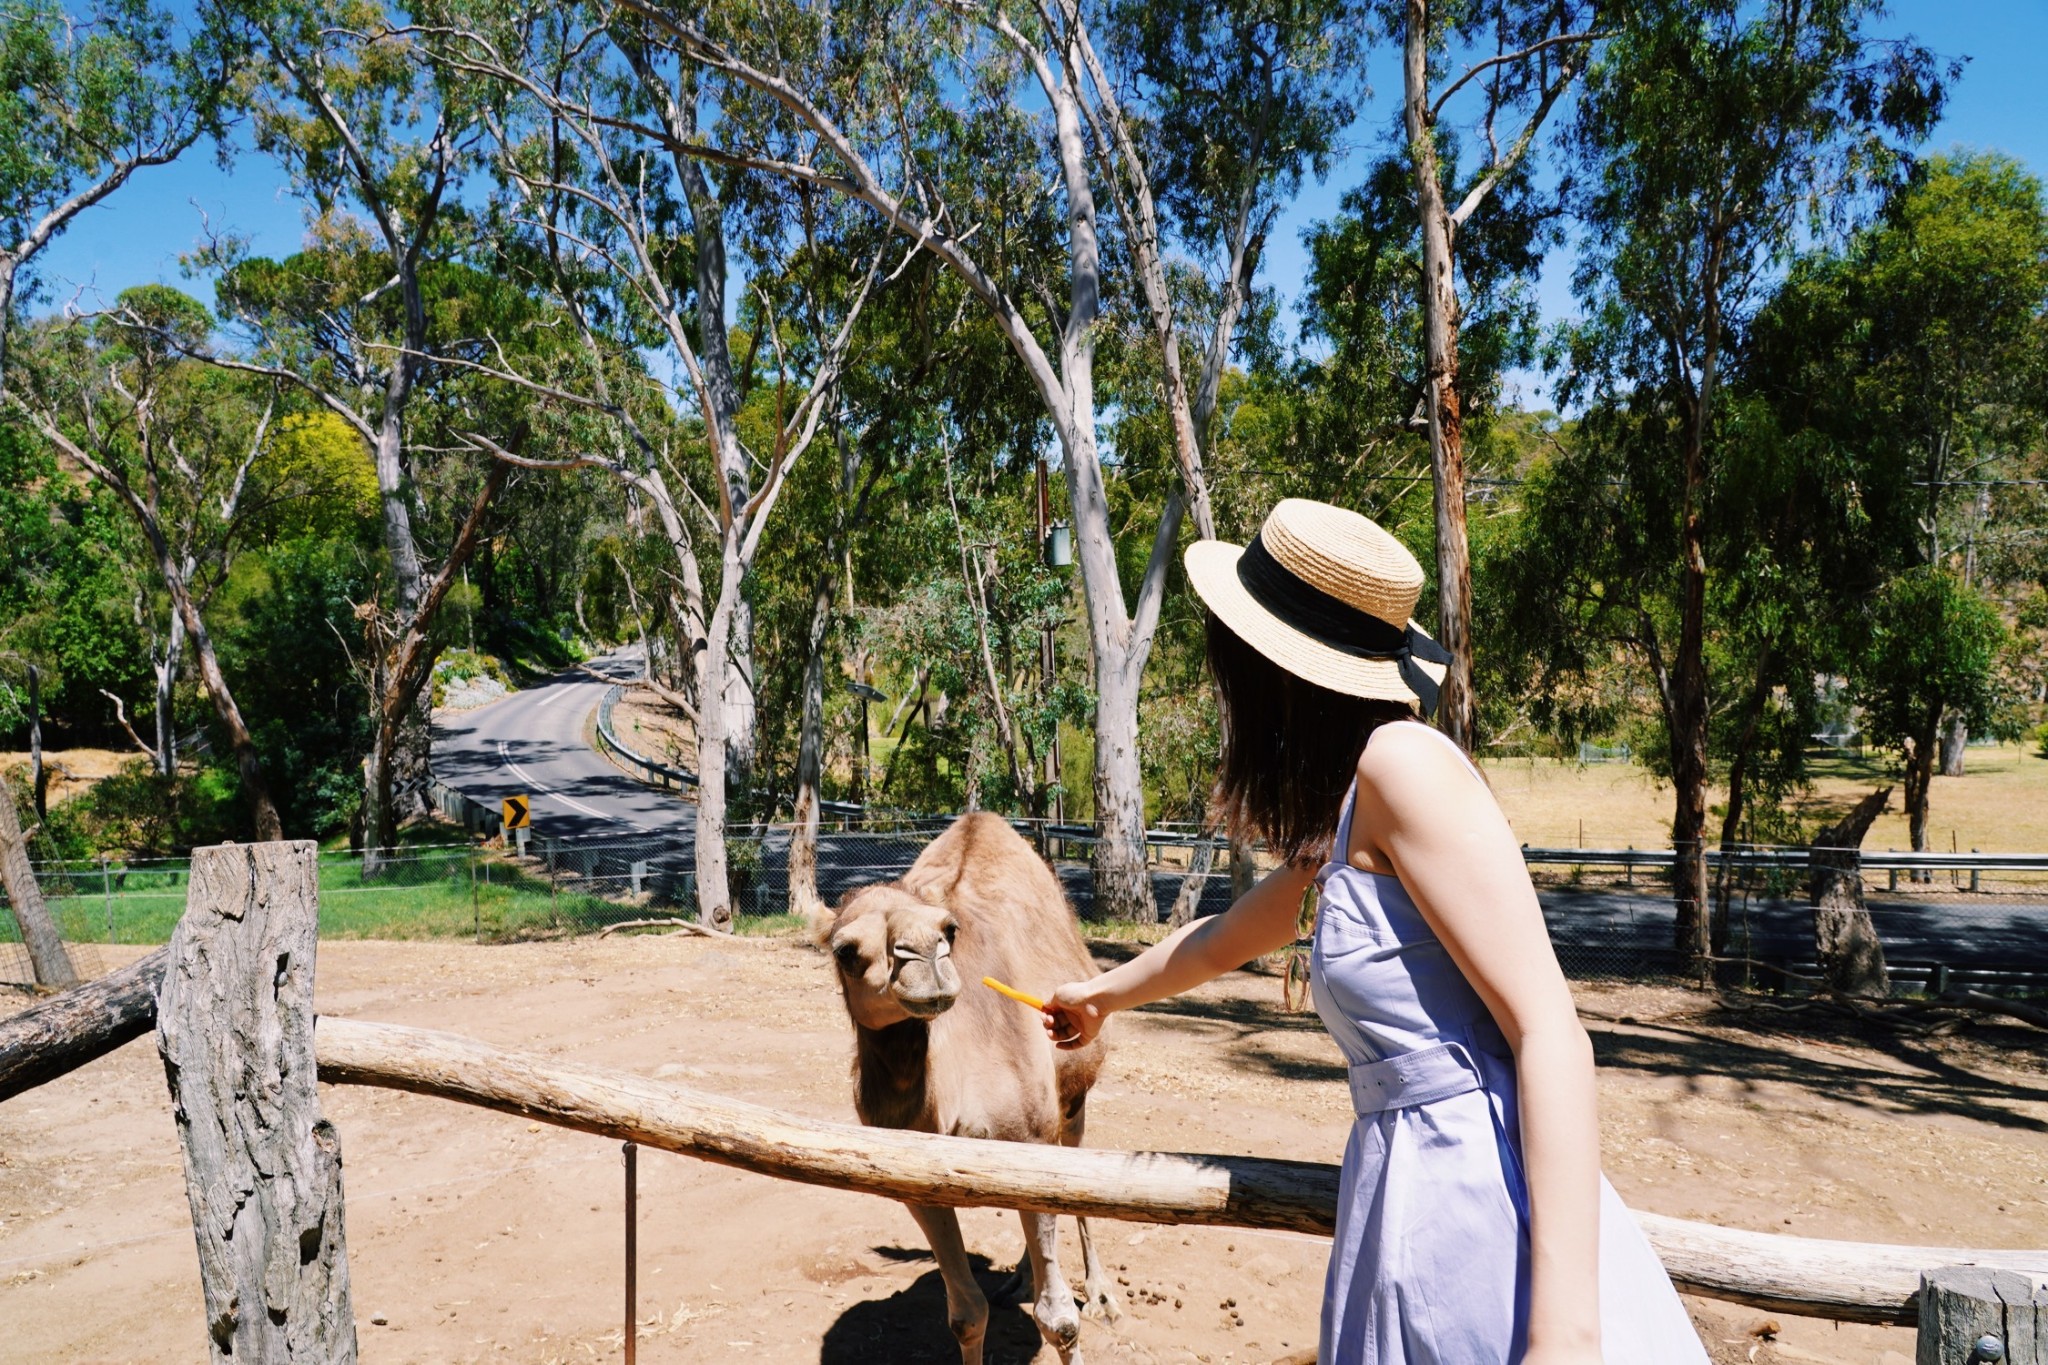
column 1473, row 1224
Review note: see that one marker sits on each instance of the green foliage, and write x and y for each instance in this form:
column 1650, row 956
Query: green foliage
column 83, row 95
column 1934, row 646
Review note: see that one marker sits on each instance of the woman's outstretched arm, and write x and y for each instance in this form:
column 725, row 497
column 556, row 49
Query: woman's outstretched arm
column 1262, row 921
column 1440, row 828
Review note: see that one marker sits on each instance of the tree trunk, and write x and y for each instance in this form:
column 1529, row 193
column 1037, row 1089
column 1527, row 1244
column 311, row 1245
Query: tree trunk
column 262, row 1166
column 714, row 879
column 1851, row 957
column 1189, row 898
column 46, row 955
column 1244, row 868
column 166, row 670
column 247, row 762
column 1691, row 932
column 38, row 780
column 9, row 266
column 1953, row 740
column 1123, row 885
column 1456, row 715
column 1919, row 782
column 810, row 756
column 61, row 1034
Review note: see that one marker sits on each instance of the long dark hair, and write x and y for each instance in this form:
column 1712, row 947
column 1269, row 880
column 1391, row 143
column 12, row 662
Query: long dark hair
column 1290, row 748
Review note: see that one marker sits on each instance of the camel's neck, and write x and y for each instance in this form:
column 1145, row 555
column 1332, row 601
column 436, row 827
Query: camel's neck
column 889, row 1066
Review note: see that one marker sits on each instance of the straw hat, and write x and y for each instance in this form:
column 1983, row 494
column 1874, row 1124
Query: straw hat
column 1327, row 595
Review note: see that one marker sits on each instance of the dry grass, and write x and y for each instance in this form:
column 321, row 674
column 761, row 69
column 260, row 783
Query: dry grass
column 73, row 772
column 2001, row 805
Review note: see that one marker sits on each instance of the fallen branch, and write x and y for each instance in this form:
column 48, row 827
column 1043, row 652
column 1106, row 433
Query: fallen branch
column 86, row 1022
column 1845, row 1281
column 688, row 926
column 1991, row 1004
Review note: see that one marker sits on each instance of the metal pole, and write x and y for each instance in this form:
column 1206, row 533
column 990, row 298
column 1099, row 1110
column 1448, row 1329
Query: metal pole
column 632, row 1249
column 107, row 895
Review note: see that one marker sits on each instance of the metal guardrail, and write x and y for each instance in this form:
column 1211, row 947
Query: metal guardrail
column 660, row 773
column 1792, row 857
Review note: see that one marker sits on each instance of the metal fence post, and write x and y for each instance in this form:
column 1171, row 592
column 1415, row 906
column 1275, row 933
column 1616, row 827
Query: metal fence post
column 476, row 905
column 107, row 895
column 632, row 1251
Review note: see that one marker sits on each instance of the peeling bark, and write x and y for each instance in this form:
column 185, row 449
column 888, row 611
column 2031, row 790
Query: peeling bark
column 262, row 1166
column 1851, row 956
column 46, row 955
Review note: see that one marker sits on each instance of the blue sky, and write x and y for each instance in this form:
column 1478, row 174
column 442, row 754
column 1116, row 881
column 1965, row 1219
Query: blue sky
column 2001, row 102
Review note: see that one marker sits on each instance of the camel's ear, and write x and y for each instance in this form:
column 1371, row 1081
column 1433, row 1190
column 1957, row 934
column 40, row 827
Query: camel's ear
column 823, row 919
column 818, row 926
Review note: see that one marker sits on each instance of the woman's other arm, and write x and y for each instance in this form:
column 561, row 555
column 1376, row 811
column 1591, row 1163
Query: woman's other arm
column 1446, row 838
column 1262, row 921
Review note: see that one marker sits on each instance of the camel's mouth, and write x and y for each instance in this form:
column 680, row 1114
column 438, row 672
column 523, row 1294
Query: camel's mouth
column 928, row 1007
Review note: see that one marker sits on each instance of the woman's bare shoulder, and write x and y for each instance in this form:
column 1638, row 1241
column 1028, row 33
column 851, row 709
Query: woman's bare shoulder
column 1408, row 758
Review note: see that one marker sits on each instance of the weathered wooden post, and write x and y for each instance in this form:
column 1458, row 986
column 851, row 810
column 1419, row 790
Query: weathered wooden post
column 1974, row 1315
column 1851, row 956
column 262, row 1167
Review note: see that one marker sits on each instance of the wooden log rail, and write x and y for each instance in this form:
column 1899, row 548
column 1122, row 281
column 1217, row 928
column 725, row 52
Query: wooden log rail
column 1845, row 1281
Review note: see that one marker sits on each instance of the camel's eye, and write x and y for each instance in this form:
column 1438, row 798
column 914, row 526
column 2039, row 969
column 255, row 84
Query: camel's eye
column 848, row 955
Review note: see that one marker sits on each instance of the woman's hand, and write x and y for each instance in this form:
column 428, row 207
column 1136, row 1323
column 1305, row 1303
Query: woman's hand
column 1071, row 1016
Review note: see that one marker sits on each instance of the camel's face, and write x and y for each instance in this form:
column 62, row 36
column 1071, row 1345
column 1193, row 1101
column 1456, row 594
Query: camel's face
column 895, row 957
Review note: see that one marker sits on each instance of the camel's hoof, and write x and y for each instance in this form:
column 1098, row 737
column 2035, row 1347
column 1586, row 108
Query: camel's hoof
column 1103, row 1304
column 1063, row 1334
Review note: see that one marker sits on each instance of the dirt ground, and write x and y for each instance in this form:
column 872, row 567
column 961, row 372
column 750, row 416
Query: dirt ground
column 478, row 1237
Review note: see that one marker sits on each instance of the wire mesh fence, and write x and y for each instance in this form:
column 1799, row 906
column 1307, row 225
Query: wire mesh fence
column 1962, row 919
column 1981, row 923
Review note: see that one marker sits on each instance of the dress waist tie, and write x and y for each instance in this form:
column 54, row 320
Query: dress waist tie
column 1423, row 1076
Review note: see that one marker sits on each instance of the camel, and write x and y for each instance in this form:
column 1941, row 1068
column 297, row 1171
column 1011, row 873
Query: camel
column 935, row 1051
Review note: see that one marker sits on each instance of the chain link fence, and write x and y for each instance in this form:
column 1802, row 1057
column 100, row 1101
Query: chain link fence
column 1963, row 919
column 1944, row 920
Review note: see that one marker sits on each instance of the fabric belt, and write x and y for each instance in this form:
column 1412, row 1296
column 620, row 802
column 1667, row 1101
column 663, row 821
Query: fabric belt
column 1423, row 1076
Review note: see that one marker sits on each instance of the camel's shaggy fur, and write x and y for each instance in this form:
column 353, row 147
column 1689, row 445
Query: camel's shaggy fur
column 938, row 1052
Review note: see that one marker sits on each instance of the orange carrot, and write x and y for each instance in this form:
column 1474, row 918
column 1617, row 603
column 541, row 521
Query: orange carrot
column 1013, row 993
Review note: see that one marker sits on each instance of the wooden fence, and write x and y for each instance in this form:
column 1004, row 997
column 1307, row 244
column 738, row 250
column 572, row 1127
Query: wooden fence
column 231, row 1002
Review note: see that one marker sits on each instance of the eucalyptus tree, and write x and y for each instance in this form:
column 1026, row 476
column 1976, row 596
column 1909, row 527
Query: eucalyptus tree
column 176, row 442
column 87, row 100
column 1708, row 135
column 379, row 145
column 1934, row 648
column 1949, row 288
column 1539, row 49
column 908, row 110
column 596, row 116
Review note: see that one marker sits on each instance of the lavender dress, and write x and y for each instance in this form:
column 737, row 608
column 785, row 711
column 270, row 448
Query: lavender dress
column 1431, row 1260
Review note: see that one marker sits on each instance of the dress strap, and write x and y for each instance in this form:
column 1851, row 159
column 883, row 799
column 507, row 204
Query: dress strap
column 1423, row 1076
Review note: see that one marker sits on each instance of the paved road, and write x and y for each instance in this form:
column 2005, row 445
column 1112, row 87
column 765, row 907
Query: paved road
column 534, row 743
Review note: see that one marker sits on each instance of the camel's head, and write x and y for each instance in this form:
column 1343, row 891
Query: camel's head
column 895, row 956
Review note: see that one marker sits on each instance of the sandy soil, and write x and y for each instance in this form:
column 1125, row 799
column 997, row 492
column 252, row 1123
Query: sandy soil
column 477, row 1237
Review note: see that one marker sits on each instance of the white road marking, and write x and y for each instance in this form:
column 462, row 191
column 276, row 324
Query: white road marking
column 505, row 757
column 560, row 691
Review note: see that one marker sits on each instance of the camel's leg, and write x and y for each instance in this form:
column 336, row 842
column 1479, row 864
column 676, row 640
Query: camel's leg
column 1101, row 1299
column 1053, row 1311
column 966, row 1308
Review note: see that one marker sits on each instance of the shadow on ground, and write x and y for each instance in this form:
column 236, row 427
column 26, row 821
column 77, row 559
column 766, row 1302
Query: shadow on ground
column 1930, row 1076
column 909, row 1327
